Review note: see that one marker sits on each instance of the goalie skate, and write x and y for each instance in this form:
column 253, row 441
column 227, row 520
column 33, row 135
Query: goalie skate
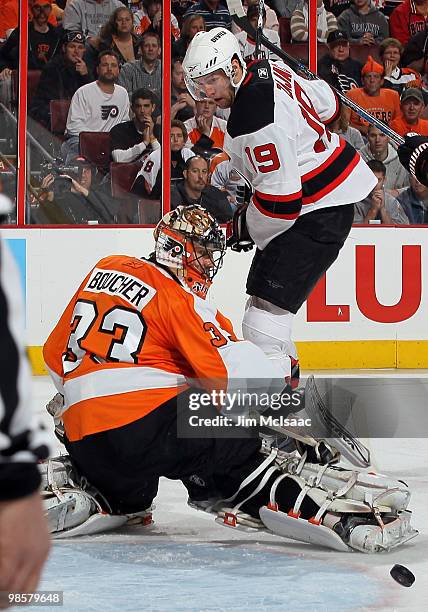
column 73, row 511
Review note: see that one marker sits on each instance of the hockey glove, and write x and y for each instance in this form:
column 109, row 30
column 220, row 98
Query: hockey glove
column 413, row 155
column 237, row 235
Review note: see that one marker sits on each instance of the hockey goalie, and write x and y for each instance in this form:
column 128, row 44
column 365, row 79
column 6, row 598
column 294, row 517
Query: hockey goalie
column 125, row 356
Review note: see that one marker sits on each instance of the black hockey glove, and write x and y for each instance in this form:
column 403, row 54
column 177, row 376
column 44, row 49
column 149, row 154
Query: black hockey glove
column 238, row 238
column 413, row 155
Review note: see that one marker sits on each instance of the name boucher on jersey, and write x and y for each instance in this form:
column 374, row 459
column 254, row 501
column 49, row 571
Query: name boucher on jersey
column 277, row 139
column 130, row 339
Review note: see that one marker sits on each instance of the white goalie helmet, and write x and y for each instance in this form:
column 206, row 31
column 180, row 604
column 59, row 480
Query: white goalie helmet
column 208, row 52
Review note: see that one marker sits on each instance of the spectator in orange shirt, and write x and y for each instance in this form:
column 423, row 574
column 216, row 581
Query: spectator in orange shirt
column 205, row 131
column 412, row 105
column 8, row 17
column 384, row 104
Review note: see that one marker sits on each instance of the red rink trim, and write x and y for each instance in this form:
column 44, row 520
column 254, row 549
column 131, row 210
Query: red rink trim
column 267, row 213
column 331, row 186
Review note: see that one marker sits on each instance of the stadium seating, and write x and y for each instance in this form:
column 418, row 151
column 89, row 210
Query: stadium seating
column 59, row 113
column 95, row 146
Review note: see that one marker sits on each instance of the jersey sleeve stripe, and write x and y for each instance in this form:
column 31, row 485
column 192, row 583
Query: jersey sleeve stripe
column 336, row 110
column 326, row 164
column 278, row 209
column 290, row 197
column 331, row 177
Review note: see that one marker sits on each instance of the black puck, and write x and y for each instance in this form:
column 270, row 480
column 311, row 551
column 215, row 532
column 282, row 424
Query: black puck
column 402, row 575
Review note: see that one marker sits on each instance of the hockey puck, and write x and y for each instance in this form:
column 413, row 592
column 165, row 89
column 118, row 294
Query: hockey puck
column 402, row 575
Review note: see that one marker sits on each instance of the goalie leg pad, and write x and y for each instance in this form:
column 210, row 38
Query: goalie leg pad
column 350, row 510
column 73, row 511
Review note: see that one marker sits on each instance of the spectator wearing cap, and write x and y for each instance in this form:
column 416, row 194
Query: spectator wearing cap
column 299, row 24
column 61, row 77
column 336, row 67
column 378, row 147
column 379, row 206
column 146, row 72
column 248, row 44
column 44, row 41
column 384, row 104
column 363, row 23
column 395, row 77
column 215, row 13
column 408, row 18
column 131, row 140
column 88, row 16
column 97, row 106
column 411, row 106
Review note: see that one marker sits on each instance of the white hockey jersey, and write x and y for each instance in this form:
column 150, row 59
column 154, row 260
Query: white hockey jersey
column 277, row 139
column 152, row 165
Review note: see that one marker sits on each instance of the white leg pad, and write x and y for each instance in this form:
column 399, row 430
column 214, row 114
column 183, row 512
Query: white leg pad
column 269, row 327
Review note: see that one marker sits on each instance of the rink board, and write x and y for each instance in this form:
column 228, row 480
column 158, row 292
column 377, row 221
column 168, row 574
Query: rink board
column 368, row 312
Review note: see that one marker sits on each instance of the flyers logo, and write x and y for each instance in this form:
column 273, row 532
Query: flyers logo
column 109, row 111
column 173, row 247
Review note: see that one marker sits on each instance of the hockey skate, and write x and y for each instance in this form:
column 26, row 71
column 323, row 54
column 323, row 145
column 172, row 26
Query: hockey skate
column 74, row 508
column 356, row 511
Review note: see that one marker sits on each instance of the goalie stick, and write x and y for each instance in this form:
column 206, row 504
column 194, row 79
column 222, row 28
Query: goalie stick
column 240, row 18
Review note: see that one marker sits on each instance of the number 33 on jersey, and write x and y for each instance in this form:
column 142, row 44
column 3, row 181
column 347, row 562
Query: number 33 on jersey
column 128, row 341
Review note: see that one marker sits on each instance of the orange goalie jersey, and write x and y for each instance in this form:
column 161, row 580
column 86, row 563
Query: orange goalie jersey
column 130, row 338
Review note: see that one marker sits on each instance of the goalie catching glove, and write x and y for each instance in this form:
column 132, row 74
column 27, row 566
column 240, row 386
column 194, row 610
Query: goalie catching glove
column 413, row 155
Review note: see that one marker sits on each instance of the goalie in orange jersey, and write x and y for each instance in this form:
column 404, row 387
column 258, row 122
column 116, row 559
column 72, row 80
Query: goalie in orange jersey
column 147, row 371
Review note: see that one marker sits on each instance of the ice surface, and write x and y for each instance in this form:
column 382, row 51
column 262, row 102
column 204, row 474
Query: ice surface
column 188, row 562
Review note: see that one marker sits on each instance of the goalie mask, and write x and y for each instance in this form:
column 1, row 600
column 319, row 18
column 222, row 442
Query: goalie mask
column 190, row 242
column 207, row 53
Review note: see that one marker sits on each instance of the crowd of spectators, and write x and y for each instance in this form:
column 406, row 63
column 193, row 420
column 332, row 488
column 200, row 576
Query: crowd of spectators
column 100, row 63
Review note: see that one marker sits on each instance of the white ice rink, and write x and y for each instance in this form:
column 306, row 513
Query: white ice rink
column 185, row 561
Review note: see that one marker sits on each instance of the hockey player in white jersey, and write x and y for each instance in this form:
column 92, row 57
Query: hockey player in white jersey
column 305, row 179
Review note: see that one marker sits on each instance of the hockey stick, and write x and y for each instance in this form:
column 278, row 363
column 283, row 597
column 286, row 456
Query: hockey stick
column 239, row 17
column 259, row 32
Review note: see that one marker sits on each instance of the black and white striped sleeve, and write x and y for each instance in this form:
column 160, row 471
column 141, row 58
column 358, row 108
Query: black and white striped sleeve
column 22, row 441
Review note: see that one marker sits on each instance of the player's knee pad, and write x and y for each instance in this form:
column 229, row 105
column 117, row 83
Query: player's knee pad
column 323, row 504
column 269, row 327
column 71, row 510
